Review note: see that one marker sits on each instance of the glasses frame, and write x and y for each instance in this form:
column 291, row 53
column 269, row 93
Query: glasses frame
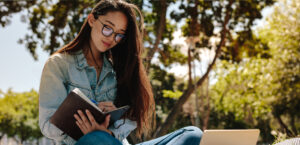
column 113, row 32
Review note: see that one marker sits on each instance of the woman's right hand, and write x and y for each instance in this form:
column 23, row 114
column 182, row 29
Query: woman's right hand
column 107, row 106
column 89, row 124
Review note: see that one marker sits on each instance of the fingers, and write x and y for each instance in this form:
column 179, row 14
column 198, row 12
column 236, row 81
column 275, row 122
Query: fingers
column 106, row 106
column 86, row 122
column 106, row 122
column 83, row 123
column 78, row 119
column 80, row 124
column 107, row 109
column 101, row 107
column 81, row 127
column 91, row 118
column 108, row 103
column 103, row 126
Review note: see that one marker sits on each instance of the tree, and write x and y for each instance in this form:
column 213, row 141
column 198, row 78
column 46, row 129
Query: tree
column 264, row 87
column 55, row 23
column 213, row 16
column 19, row 115
column 11, row 7
column 283, row 36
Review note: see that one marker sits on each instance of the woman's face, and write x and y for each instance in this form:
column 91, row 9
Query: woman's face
column 114, row 23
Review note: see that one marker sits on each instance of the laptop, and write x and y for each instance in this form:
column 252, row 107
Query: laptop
column 230, row 137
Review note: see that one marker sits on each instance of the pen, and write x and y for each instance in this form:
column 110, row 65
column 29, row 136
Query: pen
column 94, row 101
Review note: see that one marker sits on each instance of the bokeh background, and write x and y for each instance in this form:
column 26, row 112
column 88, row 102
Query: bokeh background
column 215, row 64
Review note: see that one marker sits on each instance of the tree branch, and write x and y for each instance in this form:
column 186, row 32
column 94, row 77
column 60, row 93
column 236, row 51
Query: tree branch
column 175, row 110
column 159, row 32
column 284, row 126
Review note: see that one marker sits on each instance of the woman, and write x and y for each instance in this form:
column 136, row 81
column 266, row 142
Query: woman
column 104, row 62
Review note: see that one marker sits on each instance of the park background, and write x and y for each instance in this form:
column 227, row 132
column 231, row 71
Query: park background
column 228, row 64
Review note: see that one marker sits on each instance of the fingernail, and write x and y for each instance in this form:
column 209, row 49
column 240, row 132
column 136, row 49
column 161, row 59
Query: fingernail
column 86, row 110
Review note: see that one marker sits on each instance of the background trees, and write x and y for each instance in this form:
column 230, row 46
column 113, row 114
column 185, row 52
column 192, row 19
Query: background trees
column 19, row 115
column 251, row 80
column 283, row 35
column 262, row 90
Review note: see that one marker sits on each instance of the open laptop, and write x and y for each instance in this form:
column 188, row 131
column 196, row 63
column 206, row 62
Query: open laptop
column 230, row 137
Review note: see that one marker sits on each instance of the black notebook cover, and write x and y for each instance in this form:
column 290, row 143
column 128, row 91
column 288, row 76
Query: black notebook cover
column 64, row 119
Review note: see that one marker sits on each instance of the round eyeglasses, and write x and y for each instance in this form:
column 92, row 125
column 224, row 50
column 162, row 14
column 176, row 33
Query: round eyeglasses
column 108, row 31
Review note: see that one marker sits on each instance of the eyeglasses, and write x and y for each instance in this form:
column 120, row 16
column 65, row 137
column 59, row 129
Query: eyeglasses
column 107, row 31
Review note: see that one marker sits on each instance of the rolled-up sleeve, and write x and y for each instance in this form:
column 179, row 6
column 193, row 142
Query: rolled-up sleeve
column 122, row 128
column 52, row 92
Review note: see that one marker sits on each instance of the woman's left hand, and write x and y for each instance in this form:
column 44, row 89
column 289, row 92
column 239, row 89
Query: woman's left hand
column 89, row 124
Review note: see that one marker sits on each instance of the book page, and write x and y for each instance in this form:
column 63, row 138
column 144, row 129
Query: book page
column 77, row 91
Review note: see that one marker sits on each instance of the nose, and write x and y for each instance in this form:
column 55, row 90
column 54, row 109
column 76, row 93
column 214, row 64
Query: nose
column 111, row 38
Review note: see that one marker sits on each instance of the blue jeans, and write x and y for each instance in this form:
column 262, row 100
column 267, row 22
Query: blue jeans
column 185, row 136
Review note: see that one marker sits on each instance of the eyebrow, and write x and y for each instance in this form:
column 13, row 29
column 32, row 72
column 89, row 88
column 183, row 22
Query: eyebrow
column 114, row 25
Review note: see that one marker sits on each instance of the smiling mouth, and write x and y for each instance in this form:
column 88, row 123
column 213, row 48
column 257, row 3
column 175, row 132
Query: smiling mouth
column 106, row 44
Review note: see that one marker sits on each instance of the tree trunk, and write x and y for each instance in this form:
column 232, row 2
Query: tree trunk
column 285, row 128
column 159, row 31
column 292, row 122
column 207, row 110
column 17, row 141
column 202, row 105
column 187, row 93
column 1, row 135
column 197, row 119
column 190, row 67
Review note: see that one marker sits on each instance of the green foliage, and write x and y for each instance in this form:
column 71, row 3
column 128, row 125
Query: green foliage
column 257, row 75
column 19, row 115
column 10, row 7
column 280, row 138
column 243, row 95
column 283, row 34
column 170, row 94
column 160, row 81
column 204, row 19
column 171, row 55
column 241, row 88
column 240, row 49
column 265, row 90
column 182, row 120
column 53, row 23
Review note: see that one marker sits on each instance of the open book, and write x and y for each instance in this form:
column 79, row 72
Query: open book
column 64, row 119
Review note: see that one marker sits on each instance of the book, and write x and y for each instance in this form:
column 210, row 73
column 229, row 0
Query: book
column 64, row 119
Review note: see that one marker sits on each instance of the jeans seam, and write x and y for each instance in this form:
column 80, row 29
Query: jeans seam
column 164, row 138
column 184, row 131
column 179, row 136
column 181, row 132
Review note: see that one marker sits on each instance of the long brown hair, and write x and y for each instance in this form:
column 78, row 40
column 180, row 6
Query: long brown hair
column 133, row 86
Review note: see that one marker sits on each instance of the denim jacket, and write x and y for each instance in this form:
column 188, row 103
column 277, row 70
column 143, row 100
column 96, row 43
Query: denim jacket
column 64, row 72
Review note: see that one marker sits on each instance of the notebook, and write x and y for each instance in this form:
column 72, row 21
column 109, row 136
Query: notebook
column 64, row 120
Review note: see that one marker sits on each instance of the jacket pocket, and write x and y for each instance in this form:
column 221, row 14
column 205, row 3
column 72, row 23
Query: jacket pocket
column 107, row 95
column 71, row 86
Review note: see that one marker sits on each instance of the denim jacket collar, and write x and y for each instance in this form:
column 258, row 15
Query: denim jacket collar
column 81, row 62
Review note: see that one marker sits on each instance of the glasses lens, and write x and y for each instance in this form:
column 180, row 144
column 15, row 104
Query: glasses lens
column 107, row 31
column 119, row 37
